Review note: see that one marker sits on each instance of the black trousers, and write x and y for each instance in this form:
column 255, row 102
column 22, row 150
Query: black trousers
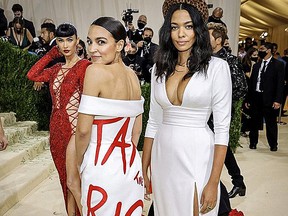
column 258, row 112
column 233, row 169
column 224, row 206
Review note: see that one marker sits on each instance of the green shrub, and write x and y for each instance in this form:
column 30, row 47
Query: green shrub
column 16, row 91
column 146, row 94
column 235, row 126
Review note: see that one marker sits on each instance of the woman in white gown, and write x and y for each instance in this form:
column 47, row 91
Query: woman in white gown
column 187, row 85
column 109, row 126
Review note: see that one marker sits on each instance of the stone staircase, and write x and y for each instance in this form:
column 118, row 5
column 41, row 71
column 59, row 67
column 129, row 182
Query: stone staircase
column 25, row 163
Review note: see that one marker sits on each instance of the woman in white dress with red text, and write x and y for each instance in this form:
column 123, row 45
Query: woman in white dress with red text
column 109, row 126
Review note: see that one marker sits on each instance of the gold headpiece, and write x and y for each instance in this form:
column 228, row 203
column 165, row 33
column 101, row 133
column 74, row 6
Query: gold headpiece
column 200, row 5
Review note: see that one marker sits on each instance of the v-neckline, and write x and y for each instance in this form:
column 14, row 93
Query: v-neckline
column 184, row 92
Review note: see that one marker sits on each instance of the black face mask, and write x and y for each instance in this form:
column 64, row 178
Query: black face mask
column 131, row 56
column 262, row 54
column 141, row 25
column 147, row 39
column 18, row 31
column 216, row 18
column 80, row 52
column 254, row 59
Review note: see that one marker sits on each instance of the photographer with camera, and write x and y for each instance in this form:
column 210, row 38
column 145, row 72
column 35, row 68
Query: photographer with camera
column 134, row 61
column 141, row 23
column 42, row 44
column 147, row 50
column 134, row 35
column 128, row 18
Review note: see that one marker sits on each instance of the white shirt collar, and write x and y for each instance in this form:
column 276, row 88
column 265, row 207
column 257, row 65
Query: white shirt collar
column 52, row 41
column 268, row 60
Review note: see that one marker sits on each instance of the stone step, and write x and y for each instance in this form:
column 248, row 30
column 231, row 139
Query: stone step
column 19, row 130
column 23, row 179
column 46, row 199
column 8, row 118
column 22, row 151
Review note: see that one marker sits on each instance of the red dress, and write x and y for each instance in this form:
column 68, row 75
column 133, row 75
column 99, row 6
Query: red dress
column 66, row 85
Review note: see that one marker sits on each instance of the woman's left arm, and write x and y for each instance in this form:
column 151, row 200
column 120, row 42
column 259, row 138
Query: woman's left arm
column 221, row 108
column 85, row 121
column 83, row 134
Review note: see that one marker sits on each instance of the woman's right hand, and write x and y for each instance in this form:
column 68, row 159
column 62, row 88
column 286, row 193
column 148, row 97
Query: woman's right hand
column 38, row 85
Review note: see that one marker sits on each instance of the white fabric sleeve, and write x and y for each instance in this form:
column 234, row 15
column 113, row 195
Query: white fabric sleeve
column 92, row 105
column 155, row 112
column 221, row 102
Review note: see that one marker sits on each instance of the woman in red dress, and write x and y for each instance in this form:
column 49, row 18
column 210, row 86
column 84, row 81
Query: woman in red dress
column 66, row 84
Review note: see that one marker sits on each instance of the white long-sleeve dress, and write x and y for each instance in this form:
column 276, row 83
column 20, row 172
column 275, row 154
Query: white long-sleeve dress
column 183, row 146
column 111, row 171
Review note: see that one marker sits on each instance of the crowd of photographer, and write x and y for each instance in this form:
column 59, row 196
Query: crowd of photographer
column 139, row 51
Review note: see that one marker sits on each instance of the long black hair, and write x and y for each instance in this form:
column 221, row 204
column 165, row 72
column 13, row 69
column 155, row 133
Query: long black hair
column 167, row 55
column 66, row 30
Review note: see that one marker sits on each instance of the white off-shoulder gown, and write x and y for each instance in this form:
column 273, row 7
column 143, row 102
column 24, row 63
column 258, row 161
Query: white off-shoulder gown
column 183, row 147
column 111, row 171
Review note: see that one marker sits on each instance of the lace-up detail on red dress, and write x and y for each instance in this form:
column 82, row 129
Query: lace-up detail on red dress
column 66, row 85
column 73, row 103
column 57, row 85
column 72, row 109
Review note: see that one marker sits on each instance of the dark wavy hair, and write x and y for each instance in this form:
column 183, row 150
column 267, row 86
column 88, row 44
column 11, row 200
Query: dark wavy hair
column 66, row 30
column 50, row 27
column 166, row 57
column 18, row 20
column 17, row 7
column 247, row 58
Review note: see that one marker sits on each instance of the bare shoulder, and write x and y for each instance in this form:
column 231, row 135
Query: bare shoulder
column 132, row 75
column 97, row 72
column 95, row 79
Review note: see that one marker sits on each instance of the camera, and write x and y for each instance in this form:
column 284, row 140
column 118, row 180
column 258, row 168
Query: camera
column 137, row 68
column 127, row 15
column 5, row 38
column 37, row 47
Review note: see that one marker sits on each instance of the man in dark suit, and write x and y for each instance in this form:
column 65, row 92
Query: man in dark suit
column 147, row 50
column 18, row 12
column 265, row 96
column 141, row 23
column 3, row 23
